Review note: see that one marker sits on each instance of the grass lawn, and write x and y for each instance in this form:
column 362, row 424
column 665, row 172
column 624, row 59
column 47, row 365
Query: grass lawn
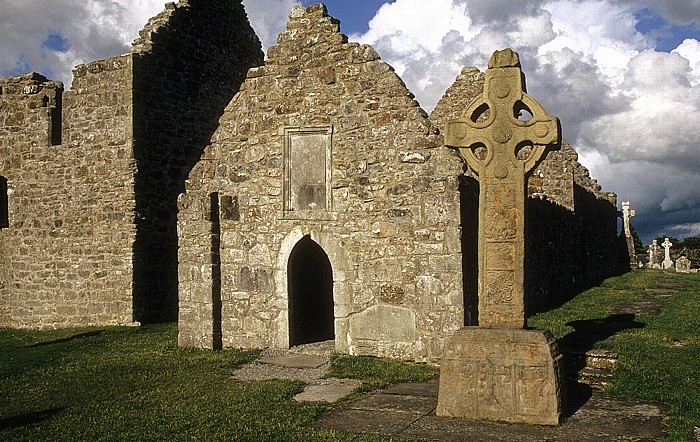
column 658, row 361
column 135, row 384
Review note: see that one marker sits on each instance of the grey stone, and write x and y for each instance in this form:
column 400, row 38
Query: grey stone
column 294, row 361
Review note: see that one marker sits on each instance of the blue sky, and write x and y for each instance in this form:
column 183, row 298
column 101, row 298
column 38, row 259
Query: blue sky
column 623, row 76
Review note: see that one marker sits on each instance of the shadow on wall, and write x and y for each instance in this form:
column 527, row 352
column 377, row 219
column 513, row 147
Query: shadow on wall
column 181, row 86
column 568, row 252
column 469, row 210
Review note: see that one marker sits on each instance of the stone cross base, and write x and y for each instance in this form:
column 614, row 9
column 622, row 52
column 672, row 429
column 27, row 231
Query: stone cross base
column 501, row 375
column 667, row 264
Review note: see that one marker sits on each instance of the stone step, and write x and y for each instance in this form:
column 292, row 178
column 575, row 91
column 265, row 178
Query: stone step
column 595, row 377
column 592, row 367
column 596, row 358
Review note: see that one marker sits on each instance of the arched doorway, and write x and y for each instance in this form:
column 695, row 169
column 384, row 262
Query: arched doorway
column 310, row 287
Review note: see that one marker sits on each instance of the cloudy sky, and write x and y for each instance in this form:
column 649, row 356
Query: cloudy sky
column 622, row 75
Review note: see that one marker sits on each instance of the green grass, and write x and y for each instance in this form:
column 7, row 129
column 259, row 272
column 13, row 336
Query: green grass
column 104, row 384
column 659, row 361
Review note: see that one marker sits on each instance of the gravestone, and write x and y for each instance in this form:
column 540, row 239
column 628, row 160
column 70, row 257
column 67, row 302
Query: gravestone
column 500, row 371
column 654, row 256
column 683, row 265
column 626, row 215
column 667, row 264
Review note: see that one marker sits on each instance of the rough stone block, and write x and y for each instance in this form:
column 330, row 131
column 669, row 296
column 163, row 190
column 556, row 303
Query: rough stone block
column 501, row 375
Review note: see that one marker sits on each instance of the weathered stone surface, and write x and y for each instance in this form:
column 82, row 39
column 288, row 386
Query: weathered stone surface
column 667, row 263
column 94, row 172
column 683, row 265
column 502, row 175
column 501, row 375
column 629, row 241
column 336, row 150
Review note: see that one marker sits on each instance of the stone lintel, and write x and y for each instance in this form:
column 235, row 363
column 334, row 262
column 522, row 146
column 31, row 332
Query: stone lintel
column 506, row 375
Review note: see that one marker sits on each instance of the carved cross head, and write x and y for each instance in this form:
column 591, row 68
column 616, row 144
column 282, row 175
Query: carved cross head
column 505, row 130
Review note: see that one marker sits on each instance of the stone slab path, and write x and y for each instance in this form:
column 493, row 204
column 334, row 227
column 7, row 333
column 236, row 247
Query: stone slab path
column 308, row 364
column 408, row 410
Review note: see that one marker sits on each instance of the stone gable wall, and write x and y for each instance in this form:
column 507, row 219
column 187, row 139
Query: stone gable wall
column 392, row 234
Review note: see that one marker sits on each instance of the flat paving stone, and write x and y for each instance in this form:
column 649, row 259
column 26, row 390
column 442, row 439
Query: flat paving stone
column 424, row 389
column 601, row 418
column 367, row 421
column 641, row 308
column 331, row 390
column 397, row 403
column 294, row 361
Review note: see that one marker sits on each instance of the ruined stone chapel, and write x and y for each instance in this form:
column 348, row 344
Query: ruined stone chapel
column 264, row 202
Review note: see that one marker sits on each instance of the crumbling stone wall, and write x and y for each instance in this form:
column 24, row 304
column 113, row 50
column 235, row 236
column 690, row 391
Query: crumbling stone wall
column 67, row 246
column 385, row 210
column 93, row 173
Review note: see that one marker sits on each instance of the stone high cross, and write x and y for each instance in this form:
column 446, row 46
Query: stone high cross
column 502, row 150
column 667, row 264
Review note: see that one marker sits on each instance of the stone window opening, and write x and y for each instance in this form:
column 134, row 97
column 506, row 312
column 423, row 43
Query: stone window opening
column 310, row 291
column 4, row 204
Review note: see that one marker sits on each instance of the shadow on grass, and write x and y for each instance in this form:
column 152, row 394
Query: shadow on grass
column 588, row 332
column 68, row 339
column 576, row 344
column 28, row 419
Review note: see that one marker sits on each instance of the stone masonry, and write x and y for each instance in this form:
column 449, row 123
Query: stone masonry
column 325, row 149
column 312, row 189
column 93, row 173
column 375, row 189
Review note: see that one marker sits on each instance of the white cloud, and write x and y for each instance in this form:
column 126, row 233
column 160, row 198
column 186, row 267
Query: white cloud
column 92, row 30
column 268, row 18
column 628, row 109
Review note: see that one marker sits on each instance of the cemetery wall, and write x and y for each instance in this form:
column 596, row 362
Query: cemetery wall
column 379, row 195
column 93, row 173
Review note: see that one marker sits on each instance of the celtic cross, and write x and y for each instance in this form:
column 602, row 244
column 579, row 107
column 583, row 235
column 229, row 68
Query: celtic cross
column 502, row 147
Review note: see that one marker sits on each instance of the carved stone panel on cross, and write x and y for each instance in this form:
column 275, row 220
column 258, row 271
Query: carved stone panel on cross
column 502, row 136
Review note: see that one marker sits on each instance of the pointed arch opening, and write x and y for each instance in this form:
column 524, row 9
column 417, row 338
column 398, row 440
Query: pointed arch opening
column 310, row 294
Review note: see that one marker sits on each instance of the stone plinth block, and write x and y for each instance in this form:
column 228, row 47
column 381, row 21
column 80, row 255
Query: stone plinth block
column 501, row 375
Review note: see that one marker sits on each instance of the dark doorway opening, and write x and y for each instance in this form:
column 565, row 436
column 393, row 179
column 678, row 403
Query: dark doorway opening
column 310, row 287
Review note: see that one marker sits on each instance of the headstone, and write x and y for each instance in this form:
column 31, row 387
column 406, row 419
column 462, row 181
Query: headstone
column 626, row 215
column 654, row 256
column 683, row 265
column 500, row 371
column 667, row 264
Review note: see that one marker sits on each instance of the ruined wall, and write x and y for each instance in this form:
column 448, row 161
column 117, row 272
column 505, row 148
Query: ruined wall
column 384, row 206
column 93, row 174
column 67, row 250
column 571, row 224
column 188, row 63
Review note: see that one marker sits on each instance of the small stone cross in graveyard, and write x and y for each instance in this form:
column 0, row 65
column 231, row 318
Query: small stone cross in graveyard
column 667, row 264
column 502, row 150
